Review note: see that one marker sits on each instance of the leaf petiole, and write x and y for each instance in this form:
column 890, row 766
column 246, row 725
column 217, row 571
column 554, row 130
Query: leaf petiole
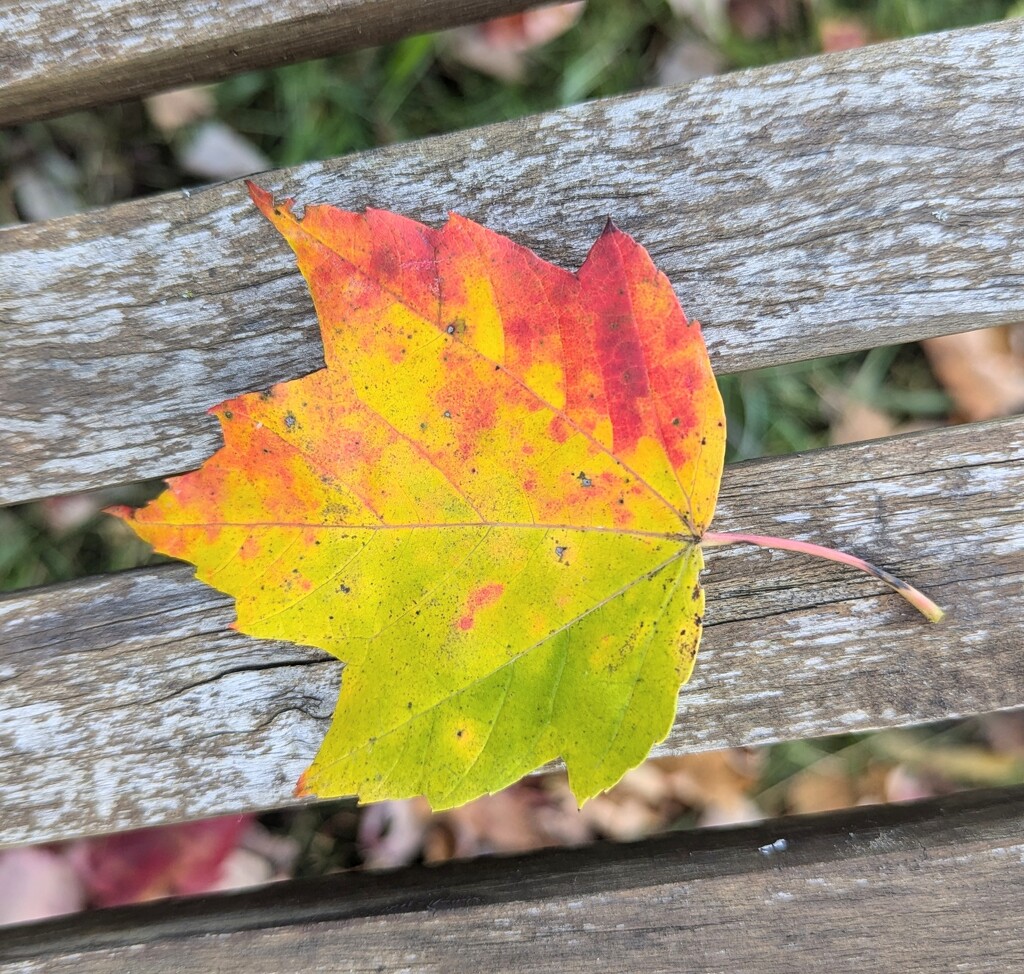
column 920, row 601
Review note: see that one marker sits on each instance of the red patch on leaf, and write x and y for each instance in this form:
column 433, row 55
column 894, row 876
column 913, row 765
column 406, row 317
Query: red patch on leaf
column 483, row 596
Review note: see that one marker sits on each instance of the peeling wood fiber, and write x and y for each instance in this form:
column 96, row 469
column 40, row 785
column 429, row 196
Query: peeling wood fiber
column 804, row 209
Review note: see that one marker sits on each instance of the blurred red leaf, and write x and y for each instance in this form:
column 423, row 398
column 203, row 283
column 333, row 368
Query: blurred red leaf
column 150, row 863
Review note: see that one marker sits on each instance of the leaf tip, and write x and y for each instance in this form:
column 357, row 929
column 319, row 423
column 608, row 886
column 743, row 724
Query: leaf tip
column 302, row 789
column 123, row 511
column 609, row 228
column 264, row 201
column 259, row 195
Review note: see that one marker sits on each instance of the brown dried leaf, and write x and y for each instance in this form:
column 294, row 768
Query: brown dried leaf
column 173, row 110
column 823, row 787
column 980, row 371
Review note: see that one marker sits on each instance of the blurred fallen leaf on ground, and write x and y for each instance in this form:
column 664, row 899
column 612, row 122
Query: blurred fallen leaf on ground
column 687, row 60
column 216, row 151
column 842, row 34
column 857, row 421
column 217, row 854
column 758, row 19
column 498, row 47
column 982, row 370
column 173, row 110
column 541, row 812
column 36, row 883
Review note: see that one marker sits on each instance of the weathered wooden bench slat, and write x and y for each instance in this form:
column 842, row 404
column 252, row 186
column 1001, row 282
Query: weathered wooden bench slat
column 56, row 58
column 125, row 701
column 803, row 209
column 905, row 888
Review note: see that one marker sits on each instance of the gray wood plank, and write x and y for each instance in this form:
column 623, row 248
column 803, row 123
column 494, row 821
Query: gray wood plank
column 125, row 701
column 56, row 57
column 928, row 887
column 803, row 209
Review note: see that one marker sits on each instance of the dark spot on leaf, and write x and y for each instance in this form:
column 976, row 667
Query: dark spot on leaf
column 344, row 588
column 447, row 414
column 698, row 620
column 266, row 394
column 459, row 732
column 675, row 422
column 228, row 414
column 584, row 480
column 703, row 441
column 560, row 549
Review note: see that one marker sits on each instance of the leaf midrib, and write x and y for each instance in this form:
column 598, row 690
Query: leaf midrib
column 677, row 536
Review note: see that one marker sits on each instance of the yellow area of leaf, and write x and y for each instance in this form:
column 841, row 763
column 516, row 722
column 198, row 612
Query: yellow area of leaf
column 488, row 505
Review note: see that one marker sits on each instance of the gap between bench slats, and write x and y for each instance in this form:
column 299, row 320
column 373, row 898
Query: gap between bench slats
column 803, row 209
column 925, row 887
column 125, row 701
column 56, row 57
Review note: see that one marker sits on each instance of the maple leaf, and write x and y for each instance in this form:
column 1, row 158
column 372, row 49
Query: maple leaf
column 489, row 505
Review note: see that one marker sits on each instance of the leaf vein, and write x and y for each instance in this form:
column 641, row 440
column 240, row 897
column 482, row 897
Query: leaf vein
column 536, row 395
column 512, row 660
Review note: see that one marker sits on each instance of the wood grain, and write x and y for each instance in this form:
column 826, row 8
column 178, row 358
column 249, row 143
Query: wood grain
column 916, row 888
column 56, row 57
column 125, row 701
column 803, row 209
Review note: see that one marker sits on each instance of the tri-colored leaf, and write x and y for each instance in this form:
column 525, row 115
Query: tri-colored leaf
column 488, row 504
